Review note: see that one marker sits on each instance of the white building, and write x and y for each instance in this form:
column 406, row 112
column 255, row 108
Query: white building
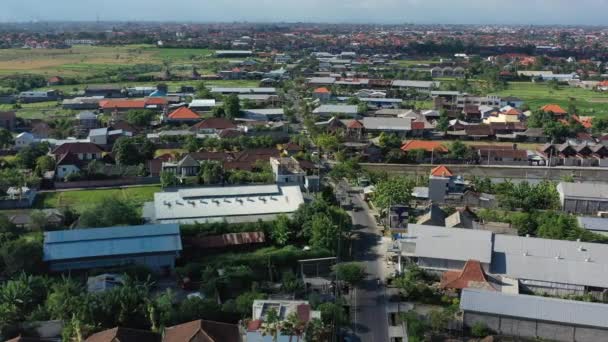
column 215, row 204
column 287, row 171
column 24, row 139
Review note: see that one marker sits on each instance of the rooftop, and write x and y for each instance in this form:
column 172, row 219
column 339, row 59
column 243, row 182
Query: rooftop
column 95, row 242
column 218, row 203
column 535, row 308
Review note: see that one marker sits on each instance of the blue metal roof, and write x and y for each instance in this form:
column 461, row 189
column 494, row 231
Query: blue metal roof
column 111, row 241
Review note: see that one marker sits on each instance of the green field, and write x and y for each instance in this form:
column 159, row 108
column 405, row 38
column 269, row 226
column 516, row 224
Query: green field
column 588, row 102
column 82, row 199
column 81, row 61
column 40, row 110
column 173, row 85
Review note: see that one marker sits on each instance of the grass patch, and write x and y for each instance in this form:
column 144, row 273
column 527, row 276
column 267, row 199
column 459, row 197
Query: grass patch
column 80, row 200
column 407, row 62
column 88, row 60
column 588, row 102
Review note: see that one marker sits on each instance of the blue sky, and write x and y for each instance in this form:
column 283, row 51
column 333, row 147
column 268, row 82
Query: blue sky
column 589, row 12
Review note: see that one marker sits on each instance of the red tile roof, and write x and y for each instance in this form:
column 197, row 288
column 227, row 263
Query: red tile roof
column 78, row 147
column 129, row 104
column 553, row 108
column 124, row 334
column 322, row 90
column 512, row 111
column 214, row 123
column 184, row 113
column 417, row 125
column 428, row 146
column 355, row 124
column 472, row 275
column 203, row 331
column 441, row 171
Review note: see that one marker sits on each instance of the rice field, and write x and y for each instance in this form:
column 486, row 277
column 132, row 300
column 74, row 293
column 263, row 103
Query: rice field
column 535, row 95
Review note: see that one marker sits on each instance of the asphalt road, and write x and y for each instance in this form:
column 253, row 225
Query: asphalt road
column 370, row 319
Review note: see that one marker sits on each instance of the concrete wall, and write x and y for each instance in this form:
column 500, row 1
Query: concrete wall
column 594, row 174
column 526, row 328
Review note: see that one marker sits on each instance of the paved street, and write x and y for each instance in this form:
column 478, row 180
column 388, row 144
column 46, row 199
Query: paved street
column 370, row 319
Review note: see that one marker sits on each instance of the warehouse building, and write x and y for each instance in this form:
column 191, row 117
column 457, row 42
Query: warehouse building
column 535, row 317
column 153, row 246
column 234, row 204
column 542, row 266
column 583, row 198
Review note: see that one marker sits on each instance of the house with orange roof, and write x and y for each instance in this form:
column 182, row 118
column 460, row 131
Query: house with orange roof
column 585, row 121
column 441, row 171
column 322, row 94
column 557, row 111
column 443, row 183
column 427, row 146
column 182, row 114
column 510, row 115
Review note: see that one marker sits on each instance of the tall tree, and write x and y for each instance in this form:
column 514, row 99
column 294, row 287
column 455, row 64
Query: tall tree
column 232, row 107
column 393, row 191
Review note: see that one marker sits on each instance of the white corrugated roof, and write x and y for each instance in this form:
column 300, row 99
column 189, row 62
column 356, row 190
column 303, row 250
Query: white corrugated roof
column 451, row 243
column 535, row 308
column 225, row 202
column 566, row 262
column 388, row 124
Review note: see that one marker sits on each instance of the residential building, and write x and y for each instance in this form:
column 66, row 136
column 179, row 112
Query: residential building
column 119, row 106
column 213, row 126
column 87, row 120
column 233, row 53
column 422, row 86
column 182, row 115
column 244, row 90
column 154, row 246
column 202, row 331
column 38, row 96
column 501, row 155
column 265, row 114
column 106, row 91
column 575, row 154
column 322, row 94
column 339, row 110
column 120, row 334
column 215, row 204
column 557, row 111
column 24, row 139
column 444, row 184
column 433, row 150
column 82, row 103
column 73, row 157
column 583, row 198
column 400, row 126
column 283, row 308
column 535, row 317
column 287, row 171
column 203, row 105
